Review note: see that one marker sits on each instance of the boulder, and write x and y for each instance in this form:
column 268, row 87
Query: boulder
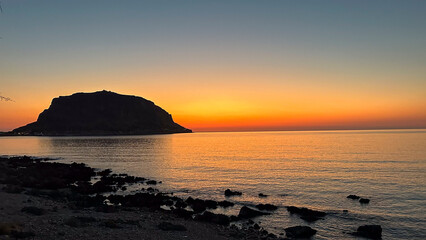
column 369, row 231
column 225, row 204
column 300, row 232
column 306, row 214
column 364, row 200
column 268, row 207
column 246, row 212
column 229, row 193
column 262, row 195
column 355, row 197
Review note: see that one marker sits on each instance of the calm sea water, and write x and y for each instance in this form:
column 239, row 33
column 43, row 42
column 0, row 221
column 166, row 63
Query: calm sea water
column 307, row 169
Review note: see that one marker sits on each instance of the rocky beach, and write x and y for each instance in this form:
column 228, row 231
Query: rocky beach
column 42, row 199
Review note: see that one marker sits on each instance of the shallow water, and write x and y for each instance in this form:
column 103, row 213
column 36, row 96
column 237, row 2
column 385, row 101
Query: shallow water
column 307, row 169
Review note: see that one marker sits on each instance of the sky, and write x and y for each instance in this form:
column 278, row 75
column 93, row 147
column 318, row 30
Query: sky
column 222, row 65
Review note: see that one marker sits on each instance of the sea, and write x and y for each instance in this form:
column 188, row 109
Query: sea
column 313, row 169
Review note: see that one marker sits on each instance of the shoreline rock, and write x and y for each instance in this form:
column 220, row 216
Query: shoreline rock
column 306, row 214
column 300, row 232
column 369, row 231
column 77, row 203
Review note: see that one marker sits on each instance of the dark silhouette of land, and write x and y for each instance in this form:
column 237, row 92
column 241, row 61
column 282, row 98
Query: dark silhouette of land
column 101, row 113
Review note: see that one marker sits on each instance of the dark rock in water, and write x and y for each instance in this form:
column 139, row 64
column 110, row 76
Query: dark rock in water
column 369, row 231
column 246, row 212
column 225, row 204
column 306, row 214
column 34, row 210
column 355, row 197
column 364, row 200
column 104, row 173
column 213, row 218
column 101, row 113
column 262, row 195
column 300, row 232
column 199, row 205
column 166, row 226
column 229, row 193
column 268, row 207
column 151, row 182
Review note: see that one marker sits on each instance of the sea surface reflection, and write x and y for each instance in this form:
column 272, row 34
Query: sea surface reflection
column 311, row 169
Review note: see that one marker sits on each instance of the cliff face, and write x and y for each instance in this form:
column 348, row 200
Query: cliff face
column 101, row 113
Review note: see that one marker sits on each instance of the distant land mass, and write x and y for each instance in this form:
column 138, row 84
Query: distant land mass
column 101, row 113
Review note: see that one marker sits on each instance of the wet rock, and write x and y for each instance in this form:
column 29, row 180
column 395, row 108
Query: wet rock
column 34, row 210
column 268, row 207
column 167, row 226
column 207, row 216
column 225, row 204
column 199, row 205
column 211, row 204
column 300, row 232
column 246, row 212
column 369, row 231
column 364, row 200
column 262, row 195
column 229, row 193
column 151, row 182
column 104, row 173
column 180, row 204
column 354, row 197
column 306, row 214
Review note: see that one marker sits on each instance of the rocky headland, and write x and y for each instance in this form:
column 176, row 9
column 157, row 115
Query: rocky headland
column 101, row 113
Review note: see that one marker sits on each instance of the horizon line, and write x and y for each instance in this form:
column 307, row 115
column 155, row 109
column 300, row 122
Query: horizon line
column 314, row 130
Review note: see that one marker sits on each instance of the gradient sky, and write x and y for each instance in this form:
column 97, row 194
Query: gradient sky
column 222, row 65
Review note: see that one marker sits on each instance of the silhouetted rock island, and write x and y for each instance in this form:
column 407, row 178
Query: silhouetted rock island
column 101, row 113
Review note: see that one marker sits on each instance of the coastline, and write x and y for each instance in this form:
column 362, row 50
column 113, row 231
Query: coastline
column 62, row 208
